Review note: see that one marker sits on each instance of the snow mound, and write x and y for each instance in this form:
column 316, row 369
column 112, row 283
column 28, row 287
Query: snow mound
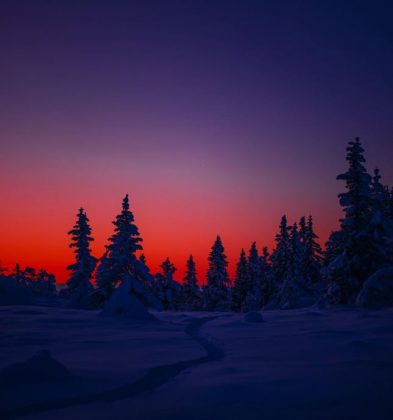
column 253, row 316
column 124, row 303
column 377, row 291
column 41, row 368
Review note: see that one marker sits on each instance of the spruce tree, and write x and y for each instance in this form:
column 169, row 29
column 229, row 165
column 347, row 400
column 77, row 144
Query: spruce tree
column 242, row 284
column 381, row 224
column 266, row 277
column 254, row 298
column 120, row 256
column 363, row 238
column 295, row 252
column 311, row 251
column 168, row 290
column 295, row 290
column 79, row 285
column 281, row 256
column 191, row 297
column 333, row 248
column 216, row 291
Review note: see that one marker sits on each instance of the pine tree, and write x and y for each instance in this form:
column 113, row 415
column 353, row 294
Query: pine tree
column 242, row 284
column 254, row 298
column 119, row 258
column 266, row 277
column 295, row 290
column 295, row 250
column 191, row 296
column 78, row 285
column 168, row 290
column 333, row 247
column 311, row 251
column 381, row 224
column 362, row 241
column 216, row 291
column 281, row 256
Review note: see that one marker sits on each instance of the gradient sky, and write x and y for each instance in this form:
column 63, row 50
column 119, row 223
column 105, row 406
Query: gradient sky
column 215, row 116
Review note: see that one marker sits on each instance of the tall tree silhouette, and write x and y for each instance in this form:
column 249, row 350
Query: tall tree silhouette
column 281, row 256
column 364, row 238
column 295, row 290
column 216, row 291
column 120, row 256
column 254, row 298
column 311, row 250
column 191, row 296
column 79, row 284
column 242, row 284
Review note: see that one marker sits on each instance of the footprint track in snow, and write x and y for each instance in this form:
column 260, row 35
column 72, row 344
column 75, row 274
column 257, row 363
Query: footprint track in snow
column 153, row 379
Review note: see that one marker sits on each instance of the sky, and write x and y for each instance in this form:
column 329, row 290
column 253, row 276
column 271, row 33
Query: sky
column 217, row 117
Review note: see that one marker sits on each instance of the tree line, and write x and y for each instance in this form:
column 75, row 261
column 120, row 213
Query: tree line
column 356, row 265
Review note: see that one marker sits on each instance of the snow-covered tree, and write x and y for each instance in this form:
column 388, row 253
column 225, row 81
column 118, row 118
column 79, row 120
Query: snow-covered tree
column 254, row 298
column 120, row 256
column 168, row 289
column 216, row 293
column 333, row 247
column 365, row 235
column 242, row 285
column 149, row 296
column 266, row 276
column 280, row 257
column 295, row 290
column 281, row 254
column 120, row 261
column 311, row 250
column 382, row 222
column 191, row 295
column 79, row 284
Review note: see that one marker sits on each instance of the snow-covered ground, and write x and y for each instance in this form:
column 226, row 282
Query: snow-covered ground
column 305, row 364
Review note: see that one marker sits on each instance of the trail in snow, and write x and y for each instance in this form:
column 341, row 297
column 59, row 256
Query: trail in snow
column 154, row 378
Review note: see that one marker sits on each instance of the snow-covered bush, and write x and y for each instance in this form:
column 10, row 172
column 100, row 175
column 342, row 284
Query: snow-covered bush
column 377, row 291
column 123, row 302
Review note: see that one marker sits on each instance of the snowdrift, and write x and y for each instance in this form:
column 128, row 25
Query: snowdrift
column 377, row 291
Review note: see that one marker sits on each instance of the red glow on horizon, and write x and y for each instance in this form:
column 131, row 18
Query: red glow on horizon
column 38, row 238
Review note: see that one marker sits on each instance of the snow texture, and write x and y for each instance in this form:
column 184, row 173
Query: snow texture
column 40, row 368
column 377, row 291
column 301, row 364
column 253, row 316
